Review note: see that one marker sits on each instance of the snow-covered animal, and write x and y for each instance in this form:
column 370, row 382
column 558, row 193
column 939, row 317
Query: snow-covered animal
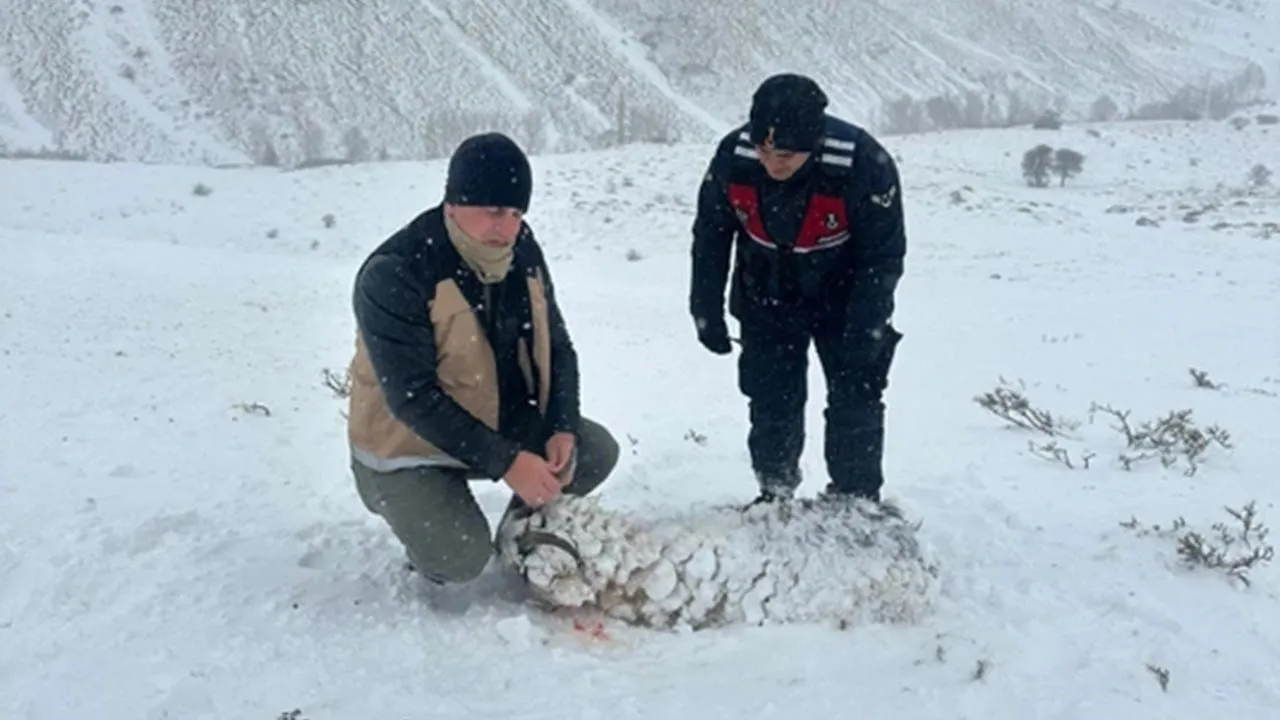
column 838, row 561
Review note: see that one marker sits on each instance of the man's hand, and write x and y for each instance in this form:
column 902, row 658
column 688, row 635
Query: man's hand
column 533, row 480
column 713, row 334
column 560, row 456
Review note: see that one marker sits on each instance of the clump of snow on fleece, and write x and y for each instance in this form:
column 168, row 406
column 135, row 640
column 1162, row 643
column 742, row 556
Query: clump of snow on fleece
column 838, row 562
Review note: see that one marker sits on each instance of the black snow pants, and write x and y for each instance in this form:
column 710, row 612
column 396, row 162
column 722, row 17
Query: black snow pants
column 773, row 374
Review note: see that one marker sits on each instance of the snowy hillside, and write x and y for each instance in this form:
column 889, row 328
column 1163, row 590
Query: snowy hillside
column 239, row 81
column 1250, row 27
column 180, row 536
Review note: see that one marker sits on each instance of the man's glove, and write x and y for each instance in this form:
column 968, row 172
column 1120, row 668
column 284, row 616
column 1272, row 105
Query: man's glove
column 713, row 334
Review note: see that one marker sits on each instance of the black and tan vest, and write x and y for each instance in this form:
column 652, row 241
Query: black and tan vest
column 466, row 369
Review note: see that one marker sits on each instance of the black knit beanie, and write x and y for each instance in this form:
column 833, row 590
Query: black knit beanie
column 791, row 107
column 491, row 170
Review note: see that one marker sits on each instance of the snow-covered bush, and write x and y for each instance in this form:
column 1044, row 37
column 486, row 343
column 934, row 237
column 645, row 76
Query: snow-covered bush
column 1234, row 549
column 1175, row 438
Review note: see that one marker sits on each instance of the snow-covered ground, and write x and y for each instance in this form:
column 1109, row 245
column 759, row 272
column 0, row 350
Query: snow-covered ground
column 180, row 536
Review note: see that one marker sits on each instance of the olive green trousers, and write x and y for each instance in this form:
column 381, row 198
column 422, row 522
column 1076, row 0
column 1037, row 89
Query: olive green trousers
column 434, row 514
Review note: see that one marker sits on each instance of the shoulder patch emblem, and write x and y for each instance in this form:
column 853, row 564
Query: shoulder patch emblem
column 885, row 199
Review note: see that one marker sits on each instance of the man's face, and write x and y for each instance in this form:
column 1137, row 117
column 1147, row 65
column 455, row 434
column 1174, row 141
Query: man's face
column 780, row 164
column 491, row 226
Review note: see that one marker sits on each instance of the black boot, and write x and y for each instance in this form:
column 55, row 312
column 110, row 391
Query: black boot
column 776, row 487
column 766, row 497
column 831, row 492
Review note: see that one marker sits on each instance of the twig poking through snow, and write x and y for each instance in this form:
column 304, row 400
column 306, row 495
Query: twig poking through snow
column 1014, row 407
column 340, row 385
column 1201, row 379
column 1053, row 452
column 252, row 408
column 1162, row 675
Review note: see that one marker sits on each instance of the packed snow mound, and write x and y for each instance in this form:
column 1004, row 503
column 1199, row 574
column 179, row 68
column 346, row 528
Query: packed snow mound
column 847, row 563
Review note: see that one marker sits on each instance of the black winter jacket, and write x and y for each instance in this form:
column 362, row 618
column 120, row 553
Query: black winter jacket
column 391, row 299
column 856, row 278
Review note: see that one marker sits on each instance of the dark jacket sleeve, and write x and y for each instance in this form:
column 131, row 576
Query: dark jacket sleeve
column 563, row 409
column 714, row 228
column 391, row 308
column 877, row 221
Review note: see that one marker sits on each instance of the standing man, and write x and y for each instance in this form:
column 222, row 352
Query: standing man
column 814, row 205
column 464, row 369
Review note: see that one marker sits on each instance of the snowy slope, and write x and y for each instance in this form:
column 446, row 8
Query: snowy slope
column 1252, row 27
column 305, row 82
column 167, row 551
